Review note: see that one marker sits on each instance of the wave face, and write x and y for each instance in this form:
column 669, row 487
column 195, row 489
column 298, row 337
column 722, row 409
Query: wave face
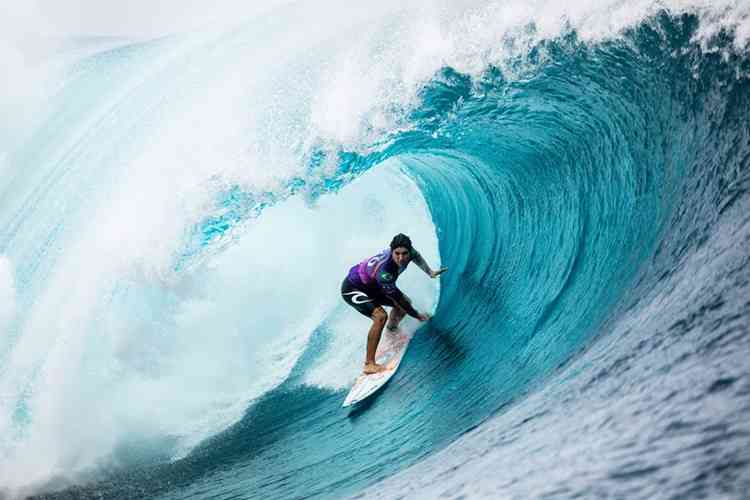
column 176, row 222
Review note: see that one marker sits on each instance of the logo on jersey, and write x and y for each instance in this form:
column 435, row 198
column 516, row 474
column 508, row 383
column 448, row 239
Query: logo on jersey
column 359, row 295
column 386, row 276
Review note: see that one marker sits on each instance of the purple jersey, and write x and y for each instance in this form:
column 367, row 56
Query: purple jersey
column 378, row 274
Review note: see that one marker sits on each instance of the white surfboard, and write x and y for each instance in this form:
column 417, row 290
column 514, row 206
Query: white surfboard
column 390, row 352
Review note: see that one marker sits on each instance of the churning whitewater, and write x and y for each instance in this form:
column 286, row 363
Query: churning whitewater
column 176, row 217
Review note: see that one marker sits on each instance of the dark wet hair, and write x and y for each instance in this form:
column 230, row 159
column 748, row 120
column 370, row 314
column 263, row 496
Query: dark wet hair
column 401, row 240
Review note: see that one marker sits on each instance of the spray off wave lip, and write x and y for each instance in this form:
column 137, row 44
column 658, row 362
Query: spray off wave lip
column 176, row 217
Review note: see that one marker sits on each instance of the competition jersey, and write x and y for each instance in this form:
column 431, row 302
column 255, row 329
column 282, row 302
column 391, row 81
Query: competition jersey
column 378, row 274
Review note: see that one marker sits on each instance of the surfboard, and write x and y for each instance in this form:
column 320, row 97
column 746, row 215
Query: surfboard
column 390, row 352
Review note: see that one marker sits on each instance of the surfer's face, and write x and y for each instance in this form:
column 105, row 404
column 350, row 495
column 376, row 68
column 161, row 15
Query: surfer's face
column 401, row 256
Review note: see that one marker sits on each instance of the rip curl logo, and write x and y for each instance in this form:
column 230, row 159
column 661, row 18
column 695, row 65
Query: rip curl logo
column 359, row 295
column 386, row 276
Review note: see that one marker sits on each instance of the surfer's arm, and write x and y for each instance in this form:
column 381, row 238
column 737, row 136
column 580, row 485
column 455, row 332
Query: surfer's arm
column 422, row 264
column 400, row 300
column 388, row 288
column 386, row 283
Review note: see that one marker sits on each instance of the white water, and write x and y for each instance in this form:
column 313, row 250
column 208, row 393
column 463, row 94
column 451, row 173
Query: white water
column 7, row 294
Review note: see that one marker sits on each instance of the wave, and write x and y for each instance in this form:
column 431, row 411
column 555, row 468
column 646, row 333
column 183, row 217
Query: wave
column 182, row 212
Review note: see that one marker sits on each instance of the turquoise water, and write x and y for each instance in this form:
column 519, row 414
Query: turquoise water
column 179, row 218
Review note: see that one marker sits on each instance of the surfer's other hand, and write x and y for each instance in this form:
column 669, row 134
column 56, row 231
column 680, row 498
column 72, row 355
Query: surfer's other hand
column 424, row 317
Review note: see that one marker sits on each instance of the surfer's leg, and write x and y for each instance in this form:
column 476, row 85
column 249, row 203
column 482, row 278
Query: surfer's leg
column 379, row 317
column 358, row 299
column 367, row 306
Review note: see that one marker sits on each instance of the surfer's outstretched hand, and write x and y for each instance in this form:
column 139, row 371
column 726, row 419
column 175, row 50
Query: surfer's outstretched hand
column 435, row 274
column 424, row 317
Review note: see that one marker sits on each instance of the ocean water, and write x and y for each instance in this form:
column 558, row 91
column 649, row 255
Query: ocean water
column 176, row 216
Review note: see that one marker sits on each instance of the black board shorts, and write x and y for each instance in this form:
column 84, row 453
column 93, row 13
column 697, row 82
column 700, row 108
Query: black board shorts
column 360, row 300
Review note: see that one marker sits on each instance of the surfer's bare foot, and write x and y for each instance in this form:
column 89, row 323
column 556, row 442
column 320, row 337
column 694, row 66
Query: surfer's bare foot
column 371, row 368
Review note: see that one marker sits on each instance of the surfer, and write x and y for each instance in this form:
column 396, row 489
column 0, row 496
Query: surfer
column 371, row 284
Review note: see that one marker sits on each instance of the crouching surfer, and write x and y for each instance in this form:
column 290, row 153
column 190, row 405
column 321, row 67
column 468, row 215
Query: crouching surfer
column 371, row 285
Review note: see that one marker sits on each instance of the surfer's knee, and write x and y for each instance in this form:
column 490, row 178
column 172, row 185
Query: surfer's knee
column 379, row 315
